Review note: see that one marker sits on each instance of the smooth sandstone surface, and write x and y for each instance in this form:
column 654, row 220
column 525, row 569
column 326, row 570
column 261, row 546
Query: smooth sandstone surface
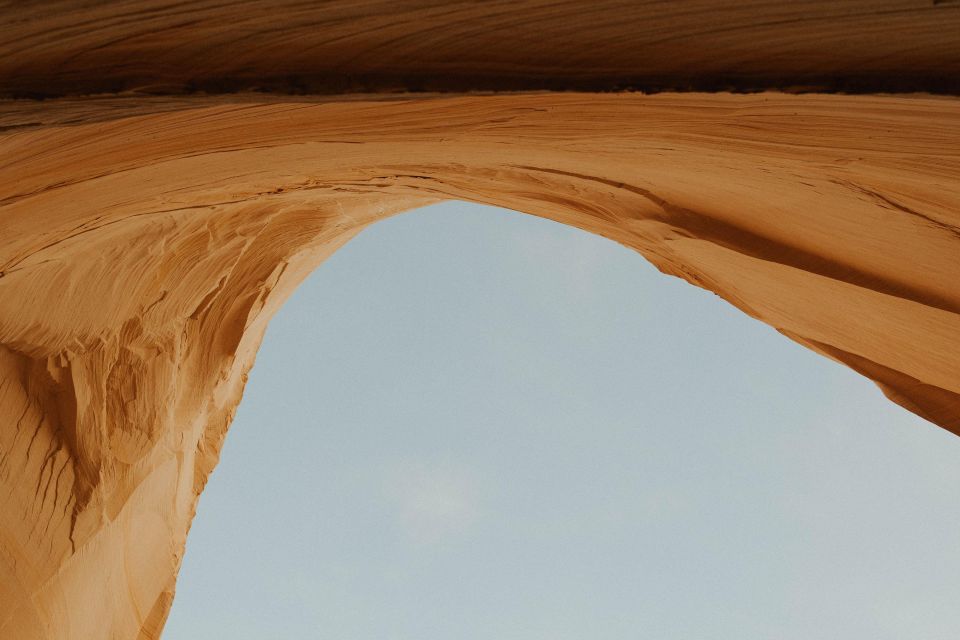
column 69, row 47
column 148, row 233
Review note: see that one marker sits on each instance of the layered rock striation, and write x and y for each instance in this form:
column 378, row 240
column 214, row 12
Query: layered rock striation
column 151, row 222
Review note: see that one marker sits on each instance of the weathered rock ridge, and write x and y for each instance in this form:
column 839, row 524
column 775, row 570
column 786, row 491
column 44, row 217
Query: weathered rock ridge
column 147, row 236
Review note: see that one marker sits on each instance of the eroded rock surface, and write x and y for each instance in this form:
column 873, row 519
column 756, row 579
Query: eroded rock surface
column 146, row 240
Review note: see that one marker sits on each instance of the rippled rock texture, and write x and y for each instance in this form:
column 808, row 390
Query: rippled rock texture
column 149, row 232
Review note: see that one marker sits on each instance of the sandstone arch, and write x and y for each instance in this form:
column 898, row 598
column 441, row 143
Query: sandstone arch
column 145, row 240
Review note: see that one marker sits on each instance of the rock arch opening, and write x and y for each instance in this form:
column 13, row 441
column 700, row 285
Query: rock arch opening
column 471, row 422
column 148, row 240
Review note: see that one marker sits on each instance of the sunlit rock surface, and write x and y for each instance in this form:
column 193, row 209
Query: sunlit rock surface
column 148, row 233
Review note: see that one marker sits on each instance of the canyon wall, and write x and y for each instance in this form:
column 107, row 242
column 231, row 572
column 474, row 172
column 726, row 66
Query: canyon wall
column 189, row 165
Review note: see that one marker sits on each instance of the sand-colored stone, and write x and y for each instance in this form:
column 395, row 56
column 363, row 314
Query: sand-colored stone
column 146, row 240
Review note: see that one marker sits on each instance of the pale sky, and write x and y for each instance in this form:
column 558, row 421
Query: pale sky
column 471, row 423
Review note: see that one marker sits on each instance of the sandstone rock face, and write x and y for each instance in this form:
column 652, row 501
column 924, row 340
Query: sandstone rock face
column 63, row 47
column 147, row 235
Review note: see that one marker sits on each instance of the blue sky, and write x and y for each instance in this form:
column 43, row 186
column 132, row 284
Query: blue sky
column 471, row 423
